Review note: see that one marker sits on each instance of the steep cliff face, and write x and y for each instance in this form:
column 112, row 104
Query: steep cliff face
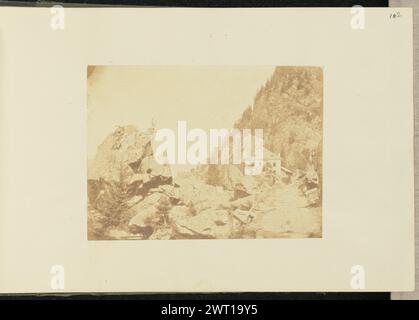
column 289, row 109
column 123, row 173
column 121, row 150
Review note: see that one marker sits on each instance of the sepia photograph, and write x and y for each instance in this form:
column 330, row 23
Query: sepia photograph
column 207, row 154
column 204, row 152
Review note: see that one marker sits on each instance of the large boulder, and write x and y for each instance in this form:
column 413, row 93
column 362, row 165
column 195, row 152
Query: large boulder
column 208, row 224
column 201, row 196
column 227, row 176
column 120, row 154
column 144, row 217
column 150, row 166
column 150, row 214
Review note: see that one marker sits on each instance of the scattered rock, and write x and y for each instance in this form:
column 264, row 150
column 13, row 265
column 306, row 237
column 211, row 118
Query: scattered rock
column 149, row 201
column 209, row 224
column 145, row 231
column 221, row 217
column 163, row 233
column 119, row 234
column 243, row 216
column 179, row 212
column 243, row 203
column 144, row 217
column 134, row 200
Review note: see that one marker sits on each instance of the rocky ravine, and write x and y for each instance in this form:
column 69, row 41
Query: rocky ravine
column 133, row 197
column 130, row 196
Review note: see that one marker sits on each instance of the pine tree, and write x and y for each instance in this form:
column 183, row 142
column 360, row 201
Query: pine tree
column 115, row 205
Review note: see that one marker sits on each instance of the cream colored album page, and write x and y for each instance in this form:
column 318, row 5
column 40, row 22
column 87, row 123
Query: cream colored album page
column 203, row 150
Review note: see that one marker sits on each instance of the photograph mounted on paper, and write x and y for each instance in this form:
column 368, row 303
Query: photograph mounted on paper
column 204, row 152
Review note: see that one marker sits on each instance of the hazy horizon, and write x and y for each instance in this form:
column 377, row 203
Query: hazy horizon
column 204, row 96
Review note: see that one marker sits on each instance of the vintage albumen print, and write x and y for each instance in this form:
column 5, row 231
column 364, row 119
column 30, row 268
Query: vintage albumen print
column 204, row 152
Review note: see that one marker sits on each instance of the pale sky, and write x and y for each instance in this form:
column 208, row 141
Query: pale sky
column 205, row 96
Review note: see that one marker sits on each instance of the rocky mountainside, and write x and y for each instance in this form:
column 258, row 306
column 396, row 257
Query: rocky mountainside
column 122, row 174
column 289, row 110
column 120, row 151
column 131, row 196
